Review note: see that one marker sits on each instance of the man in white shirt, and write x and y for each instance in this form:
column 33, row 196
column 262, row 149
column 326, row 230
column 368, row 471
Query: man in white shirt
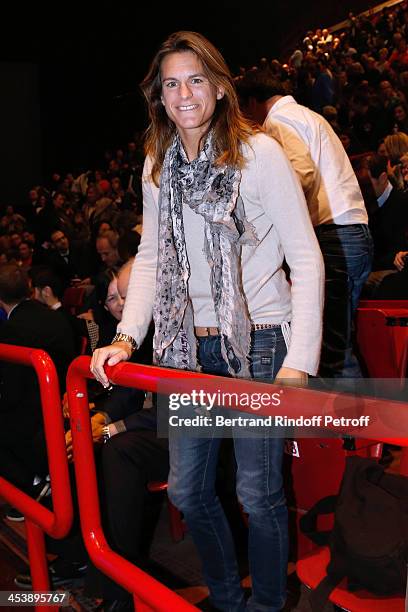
column 335, row 203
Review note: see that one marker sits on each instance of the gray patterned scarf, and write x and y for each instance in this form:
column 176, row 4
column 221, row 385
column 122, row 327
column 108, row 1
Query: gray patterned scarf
column 210, row 191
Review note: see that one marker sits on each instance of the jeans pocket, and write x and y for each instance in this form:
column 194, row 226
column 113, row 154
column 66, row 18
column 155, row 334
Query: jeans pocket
column 263, row 362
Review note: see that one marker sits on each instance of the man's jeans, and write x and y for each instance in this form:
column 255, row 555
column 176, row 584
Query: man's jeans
column 259, row 488
column 347, row 252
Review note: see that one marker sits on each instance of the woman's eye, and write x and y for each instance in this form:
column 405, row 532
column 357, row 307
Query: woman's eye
column 196, row 80
column 171, row 84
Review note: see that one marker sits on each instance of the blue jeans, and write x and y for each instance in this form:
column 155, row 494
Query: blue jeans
column 191, row 487
column 347, row 252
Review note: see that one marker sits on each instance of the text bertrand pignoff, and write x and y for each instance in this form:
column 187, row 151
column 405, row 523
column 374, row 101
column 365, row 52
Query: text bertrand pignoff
column 208, row 400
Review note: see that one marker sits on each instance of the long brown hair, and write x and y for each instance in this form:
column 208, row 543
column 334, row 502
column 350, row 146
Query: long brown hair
column 229, row 126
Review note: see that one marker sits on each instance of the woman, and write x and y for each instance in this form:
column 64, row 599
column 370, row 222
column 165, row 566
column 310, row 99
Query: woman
column 400, row 118
column 396, row 145
column 222, row 209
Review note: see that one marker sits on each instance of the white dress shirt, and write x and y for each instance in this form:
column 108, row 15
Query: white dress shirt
column 385, row 195
column 329, row 183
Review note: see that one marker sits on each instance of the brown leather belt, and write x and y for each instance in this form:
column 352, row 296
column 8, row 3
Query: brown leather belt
column 202, row 332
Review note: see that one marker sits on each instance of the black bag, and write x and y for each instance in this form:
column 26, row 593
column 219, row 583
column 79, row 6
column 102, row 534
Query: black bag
column 369, row 541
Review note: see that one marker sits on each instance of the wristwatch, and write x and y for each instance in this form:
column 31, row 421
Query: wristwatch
column 125, row 338
column 106, row 434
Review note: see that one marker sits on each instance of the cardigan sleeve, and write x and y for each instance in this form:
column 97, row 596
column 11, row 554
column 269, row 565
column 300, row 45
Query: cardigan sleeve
column 137, row 312
column 284, row 203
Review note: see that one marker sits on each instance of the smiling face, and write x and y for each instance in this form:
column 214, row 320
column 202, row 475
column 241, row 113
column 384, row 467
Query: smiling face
column 188, row 96
column 114, row 302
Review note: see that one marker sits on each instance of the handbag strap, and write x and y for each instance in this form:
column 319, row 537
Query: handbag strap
column 308, row 522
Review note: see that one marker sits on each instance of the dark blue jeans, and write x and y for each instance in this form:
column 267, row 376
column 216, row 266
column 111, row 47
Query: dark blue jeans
column 191, row 488
column 347, row 252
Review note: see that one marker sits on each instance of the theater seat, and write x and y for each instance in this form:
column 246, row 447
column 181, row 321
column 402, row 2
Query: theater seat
column 177, row 524
column 312, row 569
column 313, row 468
column 382, row 338
column 73, row 299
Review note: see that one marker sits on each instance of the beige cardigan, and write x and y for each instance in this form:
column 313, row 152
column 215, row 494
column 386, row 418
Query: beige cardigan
column 275, row 205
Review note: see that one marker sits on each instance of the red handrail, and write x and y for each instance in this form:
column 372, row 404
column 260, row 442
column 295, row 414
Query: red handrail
column 39, row 519
column 145, row 589
column 148, row 592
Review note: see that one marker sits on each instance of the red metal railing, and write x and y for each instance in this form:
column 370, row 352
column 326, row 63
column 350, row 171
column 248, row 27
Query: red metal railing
column 148, row 593
column 39, row 519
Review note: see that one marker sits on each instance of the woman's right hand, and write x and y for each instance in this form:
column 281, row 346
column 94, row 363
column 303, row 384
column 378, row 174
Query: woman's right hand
column 111, row 355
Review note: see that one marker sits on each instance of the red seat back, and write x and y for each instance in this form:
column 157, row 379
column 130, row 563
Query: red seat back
column 73, row 299
column 313, row 469
column 382, row 339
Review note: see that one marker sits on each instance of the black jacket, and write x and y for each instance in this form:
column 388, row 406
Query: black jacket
column 35, row 325
column 80, row 263
column 389, row 227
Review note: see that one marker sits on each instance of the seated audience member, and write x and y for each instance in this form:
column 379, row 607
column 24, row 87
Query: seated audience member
column 106, row 246
column 99, row 207
column 400, row 118
column 108, row 312
column 25, row 259
column 14, row 243
column 98, row 311
column 388, row 224
column 29, row 323
column 381, row 150
column 69, row 260
column 396, row 145
column 107, row 305
column 102, row 227
column 53, row 216
column 107, row 249
column 132, row 457
column 81, row 233
column 394, row 286
column 12, row 221
column 128, row 244
column 404, row 170
column 120, row 402
column 48, row 289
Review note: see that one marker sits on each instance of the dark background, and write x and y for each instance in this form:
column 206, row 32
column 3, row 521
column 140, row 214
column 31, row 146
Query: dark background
column 70, row 70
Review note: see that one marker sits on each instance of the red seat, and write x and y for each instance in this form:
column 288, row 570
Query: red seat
column 314, row 470
column 382, row 338
column 84, row 345
column 312, row 569
column 73, row 299
column 177, row 524
column 383, row 304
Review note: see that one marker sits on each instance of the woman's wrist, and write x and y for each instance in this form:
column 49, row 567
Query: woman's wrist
column 125, row 338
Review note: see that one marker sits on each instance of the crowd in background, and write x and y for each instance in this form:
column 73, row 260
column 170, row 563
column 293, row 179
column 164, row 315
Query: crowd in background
column 357, row 78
